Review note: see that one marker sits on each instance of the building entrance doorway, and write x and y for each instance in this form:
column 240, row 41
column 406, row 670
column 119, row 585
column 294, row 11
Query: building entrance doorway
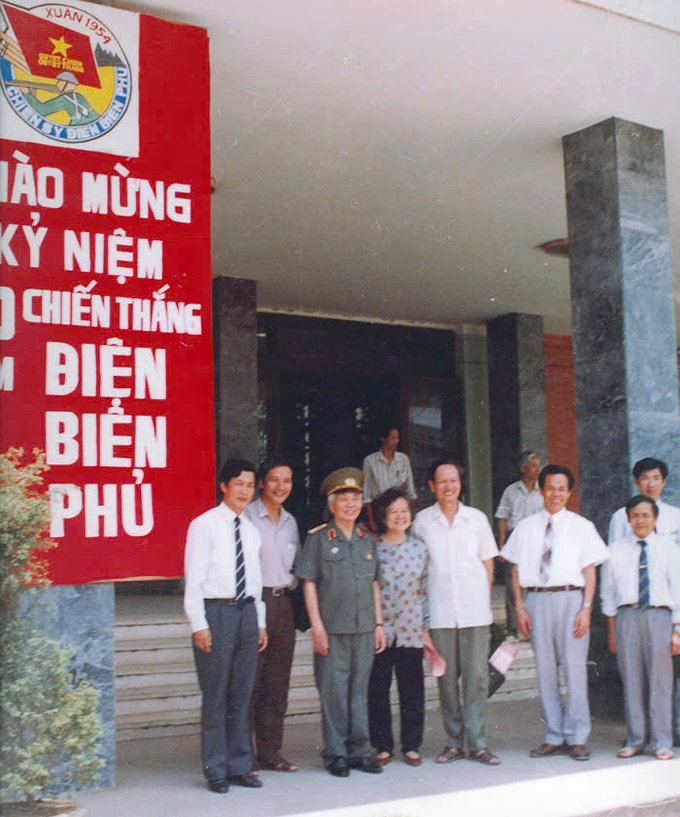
column 328, row 389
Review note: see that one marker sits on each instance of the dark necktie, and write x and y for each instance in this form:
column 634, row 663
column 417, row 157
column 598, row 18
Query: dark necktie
column 643, row 577
column 240, row 564
column 546, row 555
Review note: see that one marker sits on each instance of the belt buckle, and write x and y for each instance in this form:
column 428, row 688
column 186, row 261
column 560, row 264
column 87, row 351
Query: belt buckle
column 278, row 591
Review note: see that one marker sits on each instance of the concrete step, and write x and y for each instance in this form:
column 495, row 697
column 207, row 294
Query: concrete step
column 175, row 711
column 157, row 691
column 151, row 636
column 140, row 677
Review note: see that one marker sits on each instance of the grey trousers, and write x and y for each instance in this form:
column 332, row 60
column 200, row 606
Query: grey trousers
column 643, row 654
column 555, row 647
column 226, row 676
column 466, row 652
column 342, row 680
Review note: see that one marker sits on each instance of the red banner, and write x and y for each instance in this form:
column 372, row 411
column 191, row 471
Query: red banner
column 105, row 305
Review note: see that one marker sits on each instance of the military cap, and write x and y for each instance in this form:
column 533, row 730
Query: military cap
column 342, row 480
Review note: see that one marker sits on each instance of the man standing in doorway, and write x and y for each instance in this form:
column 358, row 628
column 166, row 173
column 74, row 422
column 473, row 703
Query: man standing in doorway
column 280, row 545
column 649, row 476
column 518, row 501
column 554, row 554
column 222, row 600
column 461, row 549
column 387, row 468
column 340, row 571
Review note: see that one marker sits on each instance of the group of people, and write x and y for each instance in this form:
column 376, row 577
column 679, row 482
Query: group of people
column 378, row 595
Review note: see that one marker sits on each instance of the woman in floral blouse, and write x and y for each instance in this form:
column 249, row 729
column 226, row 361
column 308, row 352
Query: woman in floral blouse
column 403, row 568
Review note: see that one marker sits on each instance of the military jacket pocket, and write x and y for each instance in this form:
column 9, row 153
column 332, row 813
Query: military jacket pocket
column 331, row 556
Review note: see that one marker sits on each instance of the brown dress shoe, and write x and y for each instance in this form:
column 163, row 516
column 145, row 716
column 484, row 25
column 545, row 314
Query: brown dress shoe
column 546, row 749
column 579, row 752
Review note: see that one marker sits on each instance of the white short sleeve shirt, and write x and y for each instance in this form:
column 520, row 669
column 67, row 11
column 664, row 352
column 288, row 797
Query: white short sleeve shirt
column 457, row 583
column 576, row 544
column 518, row 503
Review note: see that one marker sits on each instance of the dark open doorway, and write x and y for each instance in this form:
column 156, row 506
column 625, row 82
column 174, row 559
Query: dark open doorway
column 328, row 388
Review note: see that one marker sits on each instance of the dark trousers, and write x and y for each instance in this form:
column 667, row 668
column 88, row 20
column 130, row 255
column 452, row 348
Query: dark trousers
column 408, row 664
column 226, row 676
column 270, row 693
column 510, row 613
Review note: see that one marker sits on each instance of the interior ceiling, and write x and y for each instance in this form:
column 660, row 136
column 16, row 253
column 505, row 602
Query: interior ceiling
column 401, row 160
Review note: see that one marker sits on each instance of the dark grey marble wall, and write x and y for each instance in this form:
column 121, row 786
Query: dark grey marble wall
column 81, row 618
column 623, row 317
column 517, row 393
column 235, row 357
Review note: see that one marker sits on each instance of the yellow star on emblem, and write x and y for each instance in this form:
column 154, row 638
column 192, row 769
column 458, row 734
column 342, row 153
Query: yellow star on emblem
column 60, row 46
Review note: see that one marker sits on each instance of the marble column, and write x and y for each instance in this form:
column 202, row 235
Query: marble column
column 472, row 369
column 81, row 618
column 235, row 360
column 517, row 392
column 623, row 311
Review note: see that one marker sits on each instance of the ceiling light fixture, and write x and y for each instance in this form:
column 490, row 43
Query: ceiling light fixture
column 558, row 246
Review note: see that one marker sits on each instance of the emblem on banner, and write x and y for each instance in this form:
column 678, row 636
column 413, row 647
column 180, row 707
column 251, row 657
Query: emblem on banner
column 63, row 71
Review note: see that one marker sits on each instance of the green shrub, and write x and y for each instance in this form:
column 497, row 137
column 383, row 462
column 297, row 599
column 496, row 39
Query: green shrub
column 49, row 726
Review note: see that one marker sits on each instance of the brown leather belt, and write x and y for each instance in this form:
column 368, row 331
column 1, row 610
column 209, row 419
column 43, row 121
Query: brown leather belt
column 557, row 589
column 273, row 591
column 649, row 607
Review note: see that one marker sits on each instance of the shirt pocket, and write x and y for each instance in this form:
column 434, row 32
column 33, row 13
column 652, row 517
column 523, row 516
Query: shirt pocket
column 364, row 568
column 334, row 564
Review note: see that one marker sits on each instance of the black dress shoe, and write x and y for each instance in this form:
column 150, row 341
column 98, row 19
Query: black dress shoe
column 365, row 764
column 219, row 786
column 338, row 767
column 249, row 781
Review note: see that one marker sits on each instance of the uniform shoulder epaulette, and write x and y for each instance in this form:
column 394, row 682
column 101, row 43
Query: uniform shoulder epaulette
column 317, row 528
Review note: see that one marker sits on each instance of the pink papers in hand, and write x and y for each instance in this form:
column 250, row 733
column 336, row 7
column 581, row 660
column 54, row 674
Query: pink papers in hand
column 503, row 657
column 435, row 661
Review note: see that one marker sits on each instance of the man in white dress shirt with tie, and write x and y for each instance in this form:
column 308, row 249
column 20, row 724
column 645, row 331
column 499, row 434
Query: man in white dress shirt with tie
column 554, row 554
column 650, row 475
column 223, row 602
column 641, row 599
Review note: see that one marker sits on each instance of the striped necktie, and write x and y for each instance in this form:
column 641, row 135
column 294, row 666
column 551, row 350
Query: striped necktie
column 240, row 564
column 546, row 555
column 643, row 577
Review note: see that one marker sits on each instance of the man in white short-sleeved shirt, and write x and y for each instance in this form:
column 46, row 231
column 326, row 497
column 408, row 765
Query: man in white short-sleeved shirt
column 518, row 501
column 461, row 550
column 554, row 554
column 386, row 468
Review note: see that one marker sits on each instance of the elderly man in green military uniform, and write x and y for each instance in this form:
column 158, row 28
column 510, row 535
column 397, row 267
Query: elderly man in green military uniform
column 340, row 571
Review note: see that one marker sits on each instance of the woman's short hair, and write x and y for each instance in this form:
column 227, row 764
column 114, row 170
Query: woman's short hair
column 383, row 502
